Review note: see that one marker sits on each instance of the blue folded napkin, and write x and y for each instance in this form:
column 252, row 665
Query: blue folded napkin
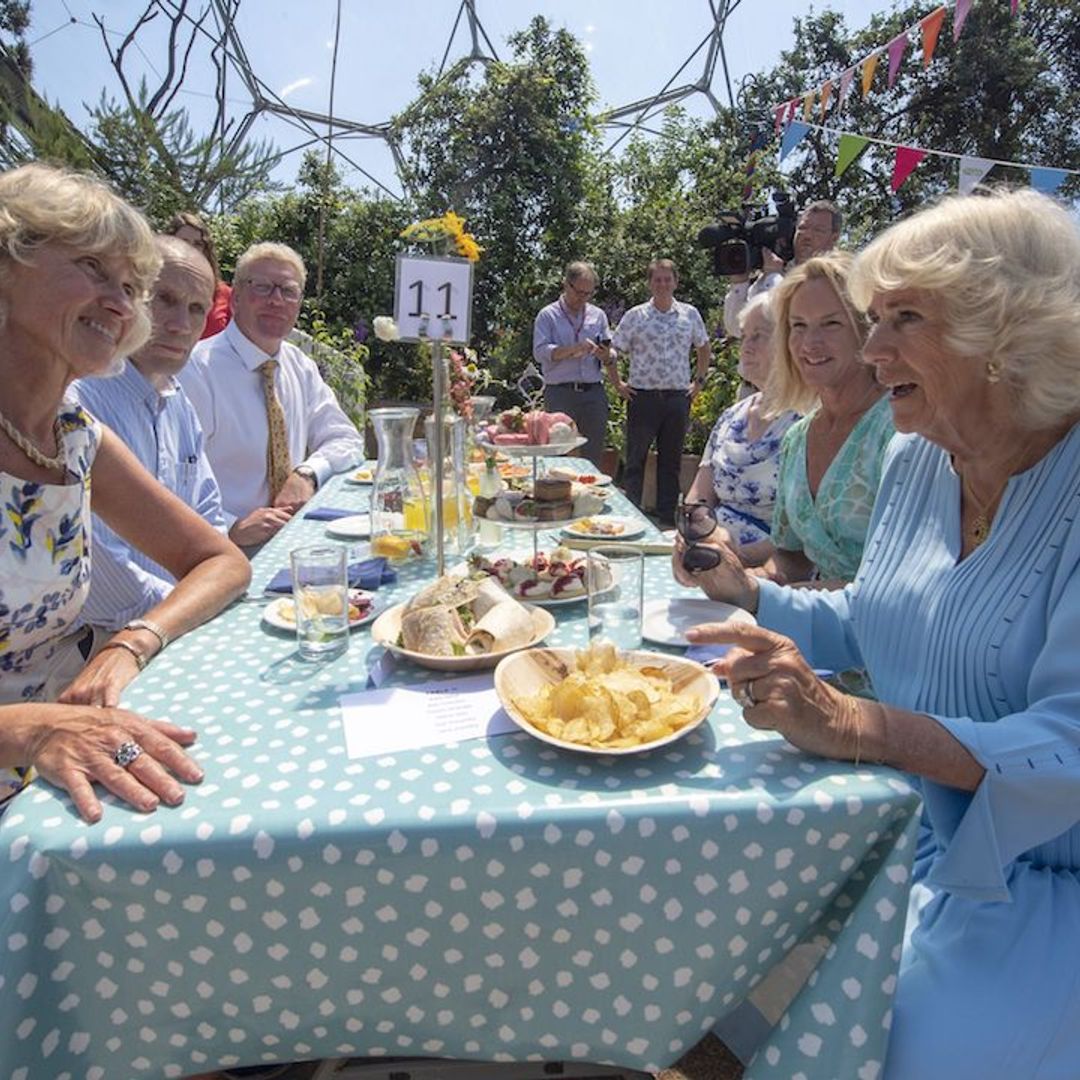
column 368, row 574
column 331, row 513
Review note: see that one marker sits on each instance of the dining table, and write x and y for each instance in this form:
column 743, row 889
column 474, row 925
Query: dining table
column 491, row 899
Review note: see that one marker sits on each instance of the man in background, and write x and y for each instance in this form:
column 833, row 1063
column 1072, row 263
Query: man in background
column 274, row 429
column 571, row 343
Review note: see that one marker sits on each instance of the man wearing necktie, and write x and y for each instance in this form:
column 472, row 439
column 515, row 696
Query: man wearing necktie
column 274, row 430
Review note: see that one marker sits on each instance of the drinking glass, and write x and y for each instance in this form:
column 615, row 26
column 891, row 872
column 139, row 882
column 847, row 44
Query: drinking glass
column 615, row 578
column 321, row 601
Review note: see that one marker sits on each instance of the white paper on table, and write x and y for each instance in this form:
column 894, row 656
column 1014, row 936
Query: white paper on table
column 397, row 718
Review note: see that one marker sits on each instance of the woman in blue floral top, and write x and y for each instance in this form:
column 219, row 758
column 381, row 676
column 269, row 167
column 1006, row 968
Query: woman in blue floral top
column 76, row 263
column 737, row 477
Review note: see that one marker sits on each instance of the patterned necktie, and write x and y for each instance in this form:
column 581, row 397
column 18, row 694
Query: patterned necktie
column 278, row 465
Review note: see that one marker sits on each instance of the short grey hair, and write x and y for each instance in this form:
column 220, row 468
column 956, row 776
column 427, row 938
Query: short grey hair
column 271, row 250
column 762, row 304
column 41, row 204
column 578, row 269
column 1003, row 269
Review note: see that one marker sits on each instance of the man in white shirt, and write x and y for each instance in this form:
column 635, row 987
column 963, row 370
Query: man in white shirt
column 274, row 430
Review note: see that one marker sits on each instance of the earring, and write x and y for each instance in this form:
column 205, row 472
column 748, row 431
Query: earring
column 993, row 371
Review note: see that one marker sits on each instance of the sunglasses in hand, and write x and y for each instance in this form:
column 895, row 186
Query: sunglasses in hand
column 694, row 523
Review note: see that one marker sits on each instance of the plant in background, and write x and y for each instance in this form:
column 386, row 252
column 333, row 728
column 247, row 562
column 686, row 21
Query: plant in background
column 341, row 360
column 443, row 234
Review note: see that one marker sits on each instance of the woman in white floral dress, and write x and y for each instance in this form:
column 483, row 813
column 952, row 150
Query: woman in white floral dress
column 76, row 263
column 737, row 477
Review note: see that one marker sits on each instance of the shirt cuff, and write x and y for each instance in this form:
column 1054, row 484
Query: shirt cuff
column 320, row 466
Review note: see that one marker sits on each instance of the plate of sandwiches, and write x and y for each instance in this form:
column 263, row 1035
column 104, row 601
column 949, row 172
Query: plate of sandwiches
column 458, row 623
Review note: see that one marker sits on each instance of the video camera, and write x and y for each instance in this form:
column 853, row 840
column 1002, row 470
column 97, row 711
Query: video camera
column 737, row 237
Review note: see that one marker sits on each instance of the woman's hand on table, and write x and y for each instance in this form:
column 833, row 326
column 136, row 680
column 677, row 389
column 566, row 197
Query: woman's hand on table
column 74, row 746
column 728, row 581
column 779, row 692
column 100, row 682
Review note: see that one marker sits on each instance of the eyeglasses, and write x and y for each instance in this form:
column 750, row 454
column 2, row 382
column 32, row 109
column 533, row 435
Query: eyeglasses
column 695, row 521
column 290, row 292
column 583, row 294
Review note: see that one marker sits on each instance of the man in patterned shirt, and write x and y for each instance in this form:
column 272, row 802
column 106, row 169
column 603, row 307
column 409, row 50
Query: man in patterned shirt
column 659, row 336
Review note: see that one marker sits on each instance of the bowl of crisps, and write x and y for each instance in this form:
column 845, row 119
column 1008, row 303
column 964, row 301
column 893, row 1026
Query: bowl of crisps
column 602, row 701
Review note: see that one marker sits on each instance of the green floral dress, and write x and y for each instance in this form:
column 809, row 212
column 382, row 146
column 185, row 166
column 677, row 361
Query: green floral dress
column 44, row 571
column 830, row 529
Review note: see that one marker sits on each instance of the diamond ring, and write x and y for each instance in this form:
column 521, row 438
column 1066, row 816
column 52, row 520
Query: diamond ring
column 126, row 753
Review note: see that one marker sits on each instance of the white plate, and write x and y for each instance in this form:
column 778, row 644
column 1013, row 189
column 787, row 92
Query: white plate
column 361, row 476
column 354, row 527
column 632, row 529
column 666, row 621
column 599, row 479
column 272, row 613
column 524, row 673
column 537, row 450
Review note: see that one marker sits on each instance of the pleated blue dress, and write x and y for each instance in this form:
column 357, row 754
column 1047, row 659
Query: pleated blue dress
column 990, row 648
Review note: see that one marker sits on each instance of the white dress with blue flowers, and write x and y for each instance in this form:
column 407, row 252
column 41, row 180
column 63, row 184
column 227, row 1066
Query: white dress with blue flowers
column 44, row 571
column 744, row 471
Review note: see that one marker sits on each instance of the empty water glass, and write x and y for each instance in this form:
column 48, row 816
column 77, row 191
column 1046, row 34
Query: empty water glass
column 615, row 578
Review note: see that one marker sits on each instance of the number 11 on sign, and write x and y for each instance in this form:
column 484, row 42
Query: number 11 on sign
column 430, row 294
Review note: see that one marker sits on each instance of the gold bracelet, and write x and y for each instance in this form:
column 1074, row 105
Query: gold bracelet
column 140, row 660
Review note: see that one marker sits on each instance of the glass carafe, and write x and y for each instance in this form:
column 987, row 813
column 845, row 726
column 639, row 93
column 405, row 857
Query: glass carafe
column 457, row 499
column 399, row 515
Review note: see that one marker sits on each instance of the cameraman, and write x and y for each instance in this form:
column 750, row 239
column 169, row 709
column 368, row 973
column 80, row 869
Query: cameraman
column 817, row 231
column 571, row 340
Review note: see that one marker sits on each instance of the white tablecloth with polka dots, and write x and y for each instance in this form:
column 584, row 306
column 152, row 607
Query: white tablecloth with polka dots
column 495, row 899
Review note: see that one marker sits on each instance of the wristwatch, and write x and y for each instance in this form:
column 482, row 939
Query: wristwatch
column 153, row 627
column 308, row 473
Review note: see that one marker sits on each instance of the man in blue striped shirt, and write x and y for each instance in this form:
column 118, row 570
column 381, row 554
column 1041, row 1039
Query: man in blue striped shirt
column 151, row 414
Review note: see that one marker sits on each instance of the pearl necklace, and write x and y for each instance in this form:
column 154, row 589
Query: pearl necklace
column 31, row 451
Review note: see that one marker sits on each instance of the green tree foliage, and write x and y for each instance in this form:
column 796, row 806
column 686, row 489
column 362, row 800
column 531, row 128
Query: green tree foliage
column 1008, row 90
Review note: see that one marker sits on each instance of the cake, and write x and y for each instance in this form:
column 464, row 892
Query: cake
column 550, row 489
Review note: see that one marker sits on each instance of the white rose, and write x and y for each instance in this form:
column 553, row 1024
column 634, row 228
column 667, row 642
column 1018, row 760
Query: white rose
column 385, row 328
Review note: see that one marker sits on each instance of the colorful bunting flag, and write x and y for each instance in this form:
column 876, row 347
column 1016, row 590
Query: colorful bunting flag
column 808, row 105
column 1047, row 180
column 868, row 68
column 826, row 93
column 793, row 104
column 896, row 54
column 907, row 157
column 780, row 116
column 845, row 87
column 851, row 146
column 961, row 13
column 931, row 27
column 972, row 170
column 793, row 135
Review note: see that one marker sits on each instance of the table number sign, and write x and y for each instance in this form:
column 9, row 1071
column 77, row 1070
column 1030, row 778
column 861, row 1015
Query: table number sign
column 433, row 298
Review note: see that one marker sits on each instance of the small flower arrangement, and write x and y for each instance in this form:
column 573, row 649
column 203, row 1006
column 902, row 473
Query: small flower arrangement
column 442, row 233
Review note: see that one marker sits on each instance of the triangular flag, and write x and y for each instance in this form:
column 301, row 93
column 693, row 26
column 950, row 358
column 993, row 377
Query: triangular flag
column 793, row 135
column 868, row 68
column 851, row 146
column 793, row 104
column 931, row 27
column 845, row 86
column 1047, row 180
column 907, row 157
column 826, row 93
column 896, row 54
column 780, row 116
column 961, row 13
column 972, row 170
column 808, row 105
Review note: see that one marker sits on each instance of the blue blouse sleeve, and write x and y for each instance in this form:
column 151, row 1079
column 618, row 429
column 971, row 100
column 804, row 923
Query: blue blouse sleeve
column 1030, row 792
column 818, row 621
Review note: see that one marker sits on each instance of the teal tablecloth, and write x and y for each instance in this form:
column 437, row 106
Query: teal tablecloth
column 495, row 899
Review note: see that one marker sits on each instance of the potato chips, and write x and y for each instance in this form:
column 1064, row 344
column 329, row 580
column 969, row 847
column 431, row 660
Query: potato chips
column 609, row 703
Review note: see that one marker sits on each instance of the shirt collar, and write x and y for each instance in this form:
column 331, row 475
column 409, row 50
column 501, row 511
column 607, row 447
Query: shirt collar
column 250, row 354
column 671, row 310
column 142, row 388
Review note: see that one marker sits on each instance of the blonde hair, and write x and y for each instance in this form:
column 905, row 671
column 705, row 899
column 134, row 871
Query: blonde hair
column 40, row 205
column 270, row 250
column 1004, row 271
column 786, row 388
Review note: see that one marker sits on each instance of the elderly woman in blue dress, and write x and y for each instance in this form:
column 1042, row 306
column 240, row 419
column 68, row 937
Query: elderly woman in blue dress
column 966, row 612
column 737, row 477
column 76, row 263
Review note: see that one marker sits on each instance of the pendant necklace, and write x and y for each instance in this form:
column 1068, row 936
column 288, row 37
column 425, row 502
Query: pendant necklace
column 979, row 529
column 31, row 451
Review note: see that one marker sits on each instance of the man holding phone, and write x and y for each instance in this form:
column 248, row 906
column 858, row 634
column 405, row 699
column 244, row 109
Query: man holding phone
column 572, row 345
